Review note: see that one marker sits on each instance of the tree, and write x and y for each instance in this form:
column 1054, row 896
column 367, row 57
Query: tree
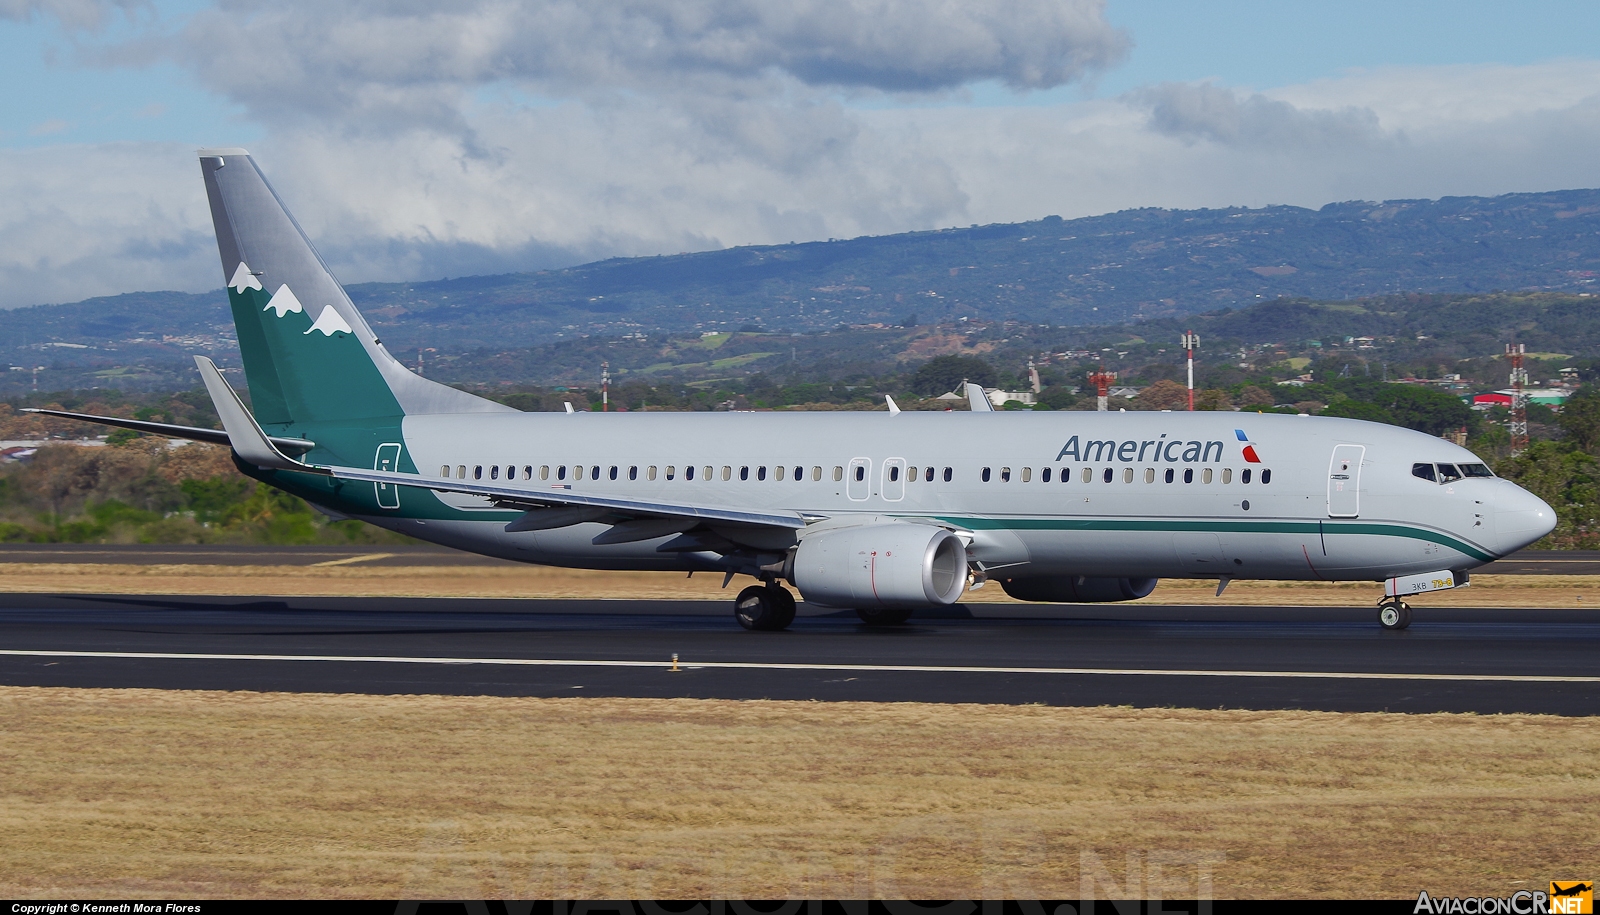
column 1163, row 395
column 945, row 373
column 1580, row 418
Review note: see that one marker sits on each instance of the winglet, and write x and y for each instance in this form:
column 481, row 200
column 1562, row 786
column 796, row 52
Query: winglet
column 246, row 437
column 894, row 408
column 568, row 405
column 977, row 400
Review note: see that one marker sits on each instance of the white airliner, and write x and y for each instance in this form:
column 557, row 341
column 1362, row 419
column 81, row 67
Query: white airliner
column 883, row 513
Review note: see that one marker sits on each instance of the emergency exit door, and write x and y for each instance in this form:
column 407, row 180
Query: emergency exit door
column 388, row 460
column 1344, row 481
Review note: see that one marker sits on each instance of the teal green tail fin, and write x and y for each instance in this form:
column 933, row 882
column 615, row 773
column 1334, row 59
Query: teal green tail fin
column 309, row 356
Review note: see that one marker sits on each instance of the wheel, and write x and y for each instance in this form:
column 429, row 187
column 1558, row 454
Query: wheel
column 785, row 604
column 1395, row 615
column 761, row 609
column 882, row 617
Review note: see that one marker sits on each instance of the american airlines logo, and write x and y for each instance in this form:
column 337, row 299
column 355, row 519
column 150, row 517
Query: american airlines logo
column 1171, row 451
column 1249, row 449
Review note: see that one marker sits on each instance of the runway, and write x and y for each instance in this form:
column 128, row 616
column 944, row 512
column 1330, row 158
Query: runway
column 1336, row 659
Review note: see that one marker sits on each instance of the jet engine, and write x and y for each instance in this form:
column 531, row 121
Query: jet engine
column 892, row 564
column 1078, row 589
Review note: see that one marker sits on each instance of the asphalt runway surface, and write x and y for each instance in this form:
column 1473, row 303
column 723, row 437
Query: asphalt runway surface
column 1478, row 660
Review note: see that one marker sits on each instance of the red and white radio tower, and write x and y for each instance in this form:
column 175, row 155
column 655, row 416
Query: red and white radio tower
column 1190, row 341
column 1102, row 379
column 1519, row 398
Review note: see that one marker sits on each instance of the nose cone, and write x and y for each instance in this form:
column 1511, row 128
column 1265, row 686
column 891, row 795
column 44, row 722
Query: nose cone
column 1520, row 518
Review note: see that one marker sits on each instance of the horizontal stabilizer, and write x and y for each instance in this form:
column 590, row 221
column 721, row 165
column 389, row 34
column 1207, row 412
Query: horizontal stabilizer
column 194, row 433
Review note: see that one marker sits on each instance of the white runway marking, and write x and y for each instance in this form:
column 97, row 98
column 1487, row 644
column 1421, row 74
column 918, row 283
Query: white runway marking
column 849, row 668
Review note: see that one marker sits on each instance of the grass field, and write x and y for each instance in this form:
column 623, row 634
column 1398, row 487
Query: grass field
column 203, row 794
column 354, row 579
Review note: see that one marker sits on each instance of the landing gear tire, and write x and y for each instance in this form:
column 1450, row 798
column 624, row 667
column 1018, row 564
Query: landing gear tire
column 883, row 617
column 764, row 608
column 1394, row 614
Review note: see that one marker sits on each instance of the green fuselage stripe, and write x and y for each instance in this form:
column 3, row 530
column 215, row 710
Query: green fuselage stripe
column 1218, row 527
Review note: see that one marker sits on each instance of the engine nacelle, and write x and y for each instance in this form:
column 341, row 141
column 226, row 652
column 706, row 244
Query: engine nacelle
column 894, row 564
column 1078, row 589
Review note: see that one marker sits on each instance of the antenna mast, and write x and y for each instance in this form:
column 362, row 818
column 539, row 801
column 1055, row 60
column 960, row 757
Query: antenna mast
column 1519, row 398
column 1190, row 341
column 605, row 387
column 1102, row 379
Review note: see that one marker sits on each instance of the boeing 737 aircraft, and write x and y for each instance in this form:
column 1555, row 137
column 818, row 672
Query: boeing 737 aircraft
column 883, row 513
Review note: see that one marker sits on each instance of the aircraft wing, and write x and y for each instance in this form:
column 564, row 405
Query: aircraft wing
column 542, row 499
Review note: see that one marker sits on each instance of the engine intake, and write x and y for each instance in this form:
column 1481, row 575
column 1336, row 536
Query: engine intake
column 894, row 564
column 1078, row 589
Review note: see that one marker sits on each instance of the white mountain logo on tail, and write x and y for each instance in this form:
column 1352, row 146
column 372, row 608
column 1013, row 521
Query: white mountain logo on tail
column 243, row 279
column 329, row 322
column 283, row 301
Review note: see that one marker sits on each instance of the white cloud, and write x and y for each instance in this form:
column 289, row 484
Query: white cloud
column 86, row 15
column 499, row 136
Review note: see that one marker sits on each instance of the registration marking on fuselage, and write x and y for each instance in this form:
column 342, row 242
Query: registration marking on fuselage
column 762, row 665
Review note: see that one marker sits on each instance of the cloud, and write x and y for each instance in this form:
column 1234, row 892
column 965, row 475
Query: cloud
column 1203, row 111
column 86, row 15
column 399, row 66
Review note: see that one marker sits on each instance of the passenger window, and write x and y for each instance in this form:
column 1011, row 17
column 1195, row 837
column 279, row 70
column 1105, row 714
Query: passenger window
column 688, row 472
column 577, row 471
column 911, row 474
column 511, row 471
column 477, row 472
column 561, row 472
column 671, row 469
column 1244, row 477
column 985, row 474
column 707, row 471
column 744, row 473
column 1005, row 474
column 650, row 473
column 1027, row 474
column 861, row 472
column 1266, row 477
column 445, row 471
column 1169, row 475
column 633, row 473
column 494, row 473
column 1044, row 475
column 1127, row 474
column 544, row 471
column 1205, row 475
column 1188, row 474
column 594, row 472
column 1107, row 475
column 778, row 472
column 1149, row 474
column 1227, row 474
column 1088, row 474
column 613, row 472
column 894, row 473
column 761, row 473
column 949, row 473
column 1476, row 470
column 461, row 472
column 1448, row 473
column 527, row 471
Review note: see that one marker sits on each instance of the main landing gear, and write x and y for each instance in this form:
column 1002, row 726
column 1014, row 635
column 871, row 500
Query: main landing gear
column 1394, row 613
column 764, row 608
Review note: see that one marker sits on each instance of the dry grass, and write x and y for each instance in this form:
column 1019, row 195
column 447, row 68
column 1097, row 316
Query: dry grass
column 117, row 793
column 353, row 579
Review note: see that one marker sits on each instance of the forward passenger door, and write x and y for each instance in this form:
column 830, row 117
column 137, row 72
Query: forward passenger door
column 1344, row 481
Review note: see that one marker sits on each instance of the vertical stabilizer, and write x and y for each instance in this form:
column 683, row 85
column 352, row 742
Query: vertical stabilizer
column 309, row 356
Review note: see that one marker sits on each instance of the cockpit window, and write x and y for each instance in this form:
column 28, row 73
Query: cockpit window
column 1476, row 470
column 1425, row 471
column 1448, row 473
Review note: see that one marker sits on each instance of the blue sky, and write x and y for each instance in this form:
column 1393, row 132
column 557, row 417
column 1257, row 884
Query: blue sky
column 481, row 137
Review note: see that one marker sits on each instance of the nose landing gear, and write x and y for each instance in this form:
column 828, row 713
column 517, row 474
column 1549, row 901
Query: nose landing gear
column 1394, row 613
